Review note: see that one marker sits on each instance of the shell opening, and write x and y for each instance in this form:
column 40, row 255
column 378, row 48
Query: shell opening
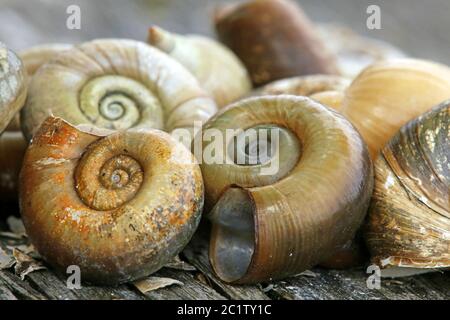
column 233, row 234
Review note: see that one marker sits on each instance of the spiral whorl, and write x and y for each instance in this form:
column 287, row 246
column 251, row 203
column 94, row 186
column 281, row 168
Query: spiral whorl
column 107, row 175
column 116, row 84
column 119, row 205
column 117, row 102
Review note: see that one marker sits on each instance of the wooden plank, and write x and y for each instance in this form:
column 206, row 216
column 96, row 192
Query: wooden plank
column 197, row 254
column 55, row 288
column 351, row 285
column 13, row 286
column 192, row 289
column 46, row 285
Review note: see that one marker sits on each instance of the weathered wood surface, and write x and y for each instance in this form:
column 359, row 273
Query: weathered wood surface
column 418, row 27
column 202, row 284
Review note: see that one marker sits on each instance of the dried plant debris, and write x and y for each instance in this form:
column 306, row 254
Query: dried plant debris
column 179, row 264
column 154, row 283
column 28, row 249
column 16, row 226
column 25, row 264
column 6, row 260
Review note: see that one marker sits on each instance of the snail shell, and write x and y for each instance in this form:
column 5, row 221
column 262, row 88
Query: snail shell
column 332, row 99
column 270, row 226
column 409, row 217
column 13, row 89
column 216, row 68
column 119, row 206
column 326, row 89
column 33, row 58
column 116, row 84
column 274, row 39
column 388, row 94
column 306, row 85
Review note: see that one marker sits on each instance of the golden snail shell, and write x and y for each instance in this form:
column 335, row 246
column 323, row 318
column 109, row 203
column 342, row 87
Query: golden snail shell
column 116, row 84
column 216, row 68
column 332, row 99
column 33, row 58
column 119, row 206
column 272, row 225
column 13, row 88
column 388, row 94
column 409, row 217
column 327, row 89
column 274, row 40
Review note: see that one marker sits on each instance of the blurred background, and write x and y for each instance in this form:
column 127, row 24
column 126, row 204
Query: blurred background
column 420, row 28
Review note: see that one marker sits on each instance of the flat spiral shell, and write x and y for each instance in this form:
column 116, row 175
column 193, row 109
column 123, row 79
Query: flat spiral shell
column 118, row 205
column 271, row 224
column 116, row 84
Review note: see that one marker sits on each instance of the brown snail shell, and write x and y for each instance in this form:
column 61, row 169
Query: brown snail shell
column 117, row 205
column 274, row 39
column 388, row 94
column 116, row 84
column 353, row 51
column 272, row 226
column 409, row 216
column 13, row 88
column 216, row 68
